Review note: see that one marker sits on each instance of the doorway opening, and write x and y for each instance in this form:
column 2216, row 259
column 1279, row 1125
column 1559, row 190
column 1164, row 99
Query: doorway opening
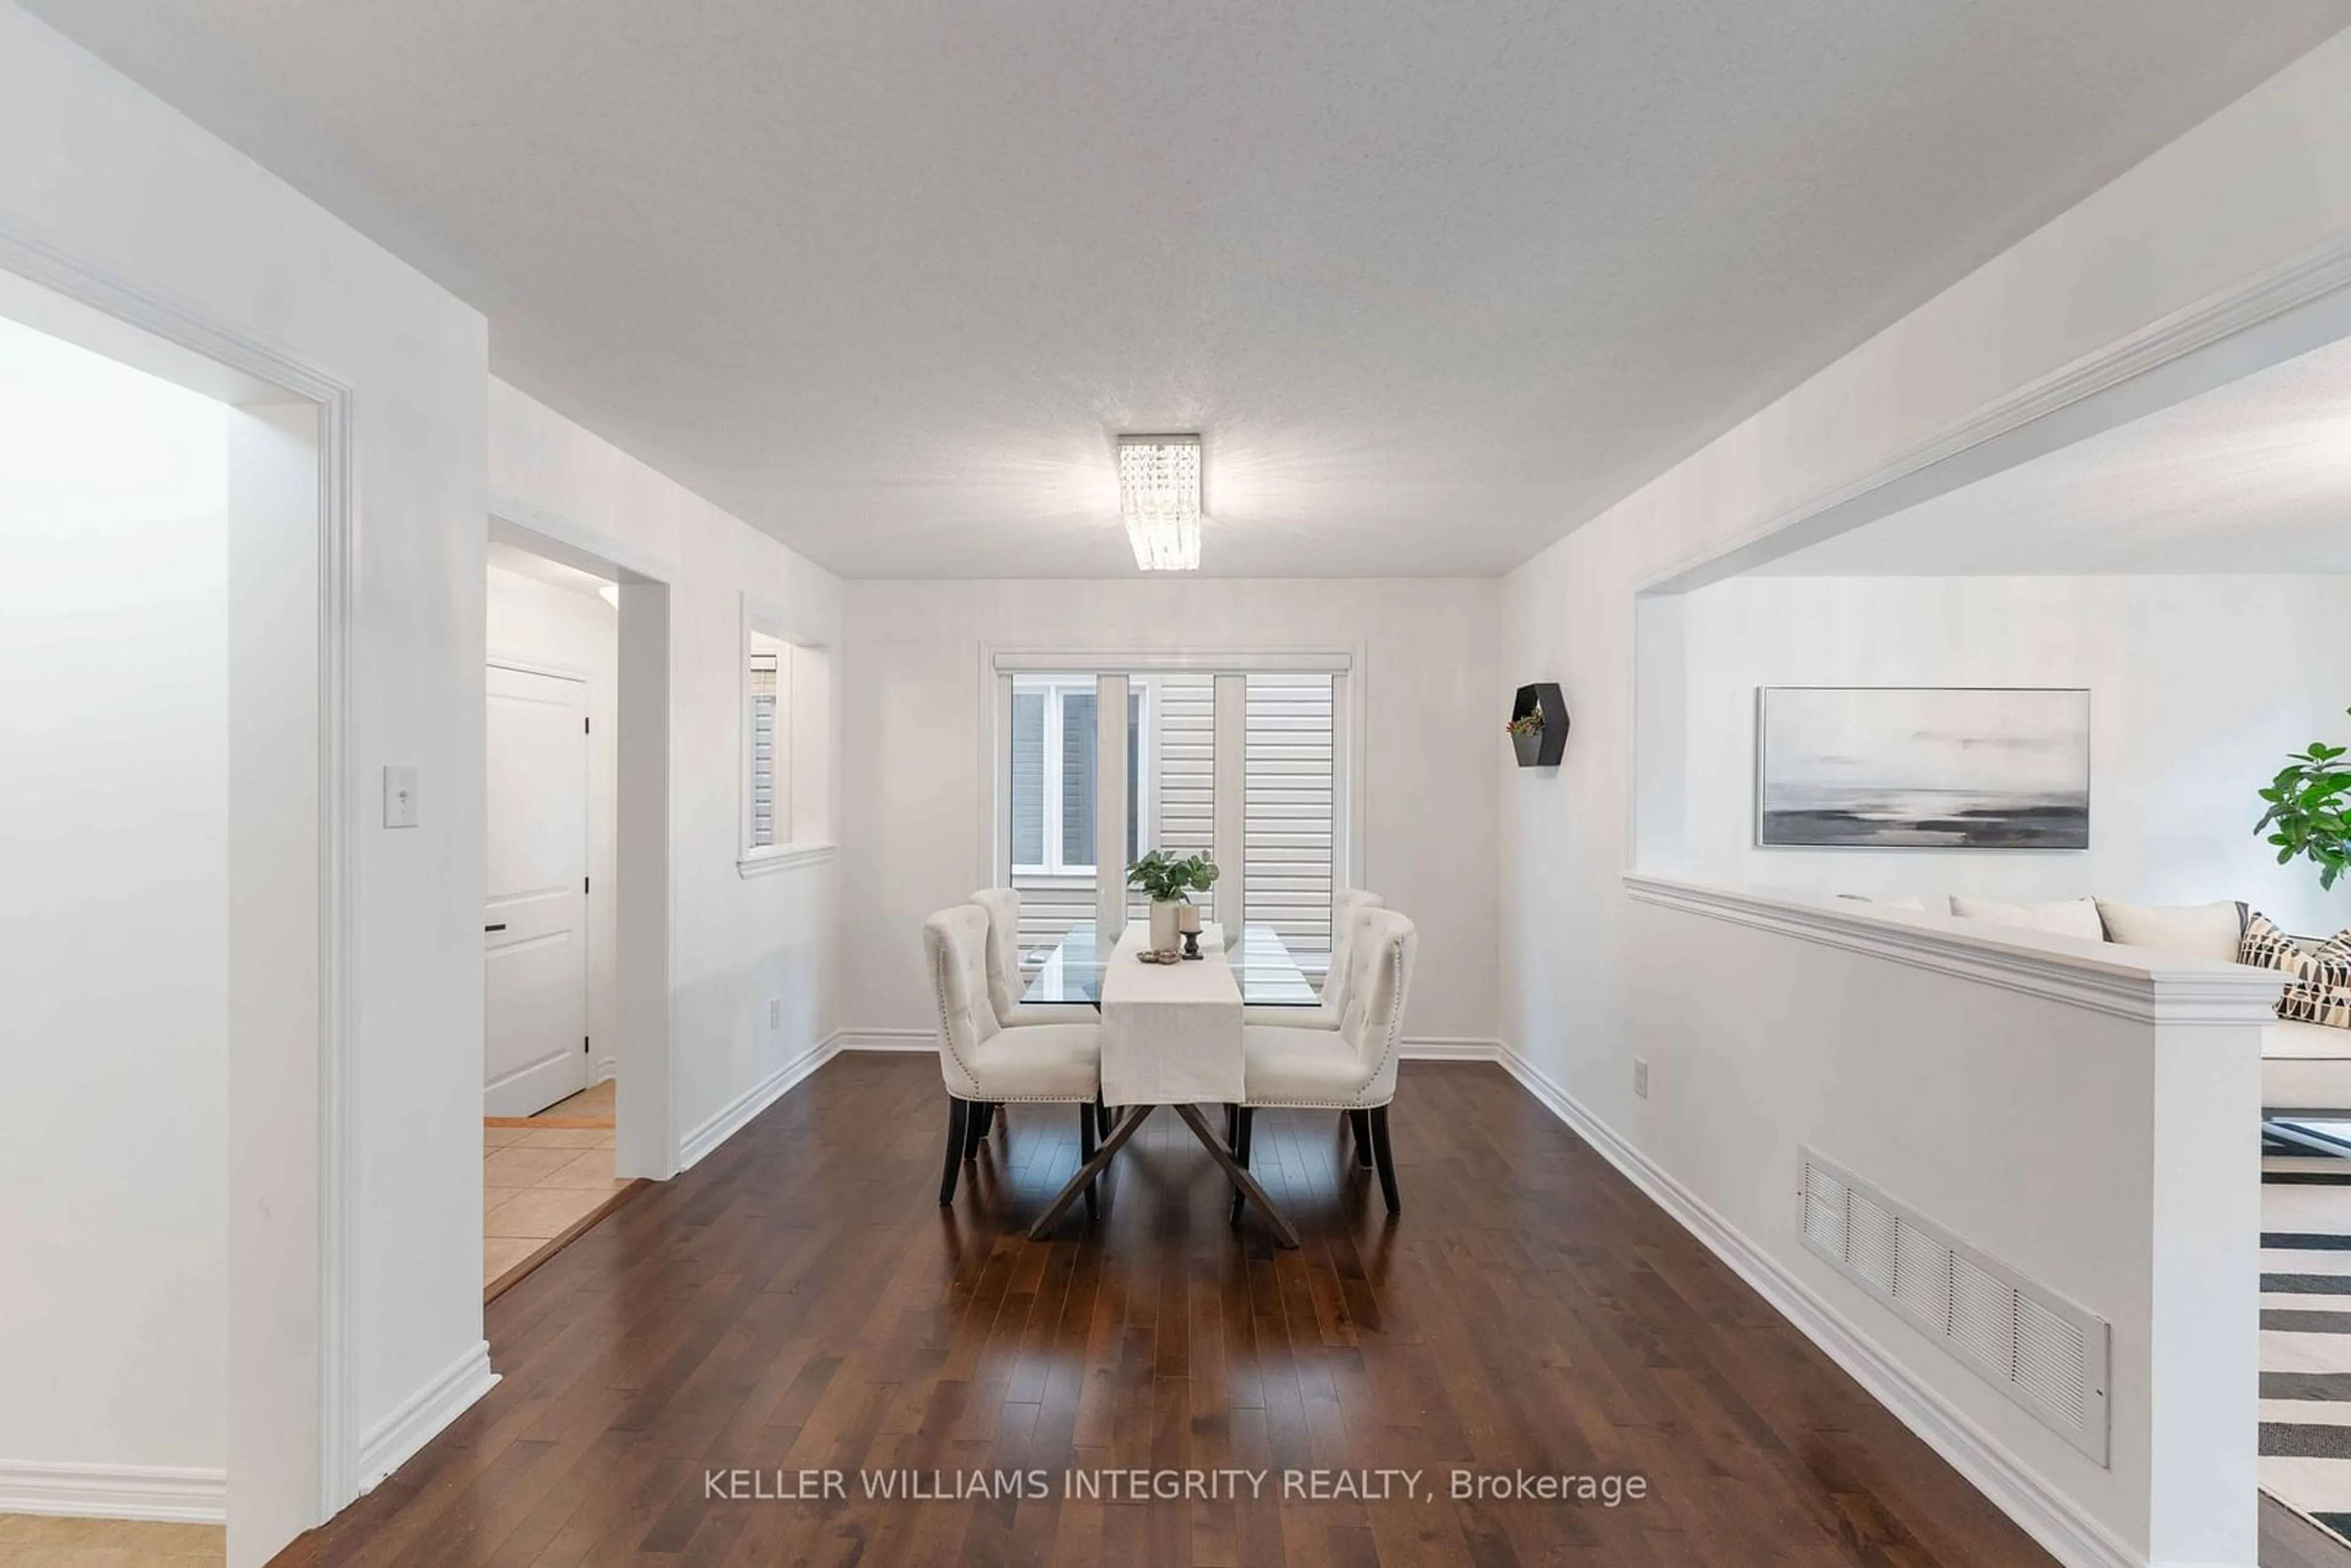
column 550, row 728
column 171, row 636
column 574, row 920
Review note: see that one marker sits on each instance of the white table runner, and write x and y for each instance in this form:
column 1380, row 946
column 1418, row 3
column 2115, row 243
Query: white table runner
column 1171, row 1033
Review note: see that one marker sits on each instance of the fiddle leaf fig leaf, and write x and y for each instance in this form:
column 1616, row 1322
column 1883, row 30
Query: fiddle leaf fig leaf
column 2308, row 804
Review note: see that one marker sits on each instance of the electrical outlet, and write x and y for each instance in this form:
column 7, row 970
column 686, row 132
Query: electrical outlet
column 1641, row 1076
column 400, row 796
column 775, row 1012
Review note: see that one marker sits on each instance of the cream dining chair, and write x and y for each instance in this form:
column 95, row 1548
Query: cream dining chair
column 1345, row 904
column 1351, row 1068
column 1005, row 981
column 1005, row 984
column 984, row 1063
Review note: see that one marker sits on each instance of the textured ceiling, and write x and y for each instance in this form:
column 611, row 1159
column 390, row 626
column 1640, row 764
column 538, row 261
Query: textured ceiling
column 1437, row 282
column 2255, row 477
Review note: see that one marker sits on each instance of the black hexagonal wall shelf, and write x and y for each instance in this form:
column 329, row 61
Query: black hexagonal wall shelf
column 1545, row 747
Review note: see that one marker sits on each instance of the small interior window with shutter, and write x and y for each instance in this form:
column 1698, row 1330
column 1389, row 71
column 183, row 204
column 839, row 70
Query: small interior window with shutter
column 767, row 656
column 787, row 745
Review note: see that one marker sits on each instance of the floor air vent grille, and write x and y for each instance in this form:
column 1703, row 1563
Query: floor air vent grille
column 2043, row 1352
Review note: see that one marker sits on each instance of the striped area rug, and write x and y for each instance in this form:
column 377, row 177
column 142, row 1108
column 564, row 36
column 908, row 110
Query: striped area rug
column 2305, row 1460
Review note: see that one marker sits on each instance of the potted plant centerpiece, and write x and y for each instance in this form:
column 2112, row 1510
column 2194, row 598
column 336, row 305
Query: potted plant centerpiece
column 1168, row 882
column 2309, row 809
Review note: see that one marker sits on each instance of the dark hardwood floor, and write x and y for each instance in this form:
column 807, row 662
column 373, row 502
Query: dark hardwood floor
column 2289, row 1541
column 798, row 1301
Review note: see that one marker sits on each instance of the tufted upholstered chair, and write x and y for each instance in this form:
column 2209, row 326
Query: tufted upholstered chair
column 1005, row 983
column 1345, row 904
column 1351, row 1068
column 982, row 1063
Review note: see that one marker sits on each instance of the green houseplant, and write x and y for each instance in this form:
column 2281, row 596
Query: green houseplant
column 1526, row 736
column 1168, row 883
column 2308, row 805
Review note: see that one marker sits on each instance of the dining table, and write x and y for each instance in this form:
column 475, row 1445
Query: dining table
column 1171, row 1035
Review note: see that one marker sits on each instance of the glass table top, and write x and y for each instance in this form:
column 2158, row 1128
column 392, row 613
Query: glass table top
column 1269, row 975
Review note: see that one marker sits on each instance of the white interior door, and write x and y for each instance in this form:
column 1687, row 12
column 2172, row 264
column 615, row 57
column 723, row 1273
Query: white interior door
column 535, row 926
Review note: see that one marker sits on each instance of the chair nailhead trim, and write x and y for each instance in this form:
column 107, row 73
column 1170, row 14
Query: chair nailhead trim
column 947, row 1029
column 1395, row 1026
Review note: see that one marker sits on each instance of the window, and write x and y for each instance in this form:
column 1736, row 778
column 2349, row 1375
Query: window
column 1053, row 791
column 1285, row 838
column 786, row 746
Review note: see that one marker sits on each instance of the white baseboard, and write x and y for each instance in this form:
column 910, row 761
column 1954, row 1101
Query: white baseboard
column 739, row 1112
column 2014, row 1488
column 607, row 1068
column 888, row 1040
column 1441, row 1047
column 422, row 1416
column 1431, row 1048
column 158, row 1492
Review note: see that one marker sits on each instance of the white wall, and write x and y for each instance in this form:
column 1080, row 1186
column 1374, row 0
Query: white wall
column 2199, row 688
column 1432, row 744
column 113, row 913
column 1917, row 1081
column 98, row 170
column 551, row 627
column 2263, row 183
column 737, row 942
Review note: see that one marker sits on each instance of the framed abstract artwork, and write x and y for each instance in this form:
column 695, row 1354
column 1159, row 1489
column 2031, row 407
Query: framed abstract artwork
column 1970, row 767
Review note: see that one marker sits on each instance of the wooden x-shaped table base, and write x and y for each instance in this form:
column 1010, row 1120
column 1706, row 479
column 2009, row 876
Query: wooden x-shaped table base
column 1130, row 1120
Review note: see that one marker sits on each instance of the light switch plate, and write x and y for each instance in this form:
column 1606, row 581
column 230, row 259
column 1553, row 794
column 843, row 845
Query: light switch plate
column 400, row 796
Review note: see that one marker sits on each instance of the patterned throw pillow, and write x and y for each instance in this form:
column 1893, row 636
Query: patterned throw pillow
column 2335, row 954
column 2322, row 994
column 2266, row 946
column 2306, row 1003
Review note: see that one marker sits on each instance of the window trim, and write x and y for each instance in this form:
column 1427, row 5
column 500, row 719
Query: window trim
column 768, row 859
column 1346, row 662
column 762, row 860
column 1168, row 661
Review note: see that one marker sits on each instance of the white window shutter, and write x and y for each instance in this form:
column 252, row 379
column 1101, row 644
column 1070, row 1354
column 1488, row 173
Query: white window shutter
column 1287, row 814
column 763, row 685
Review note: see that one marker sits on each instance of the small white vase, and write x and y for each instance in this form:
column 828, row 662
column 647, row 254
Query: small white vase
column 1162, row 924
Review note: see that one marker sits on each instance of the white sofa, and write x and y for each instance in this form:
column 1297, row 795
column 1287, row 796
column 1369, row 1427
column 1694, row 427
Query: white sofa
column 2306, row 1067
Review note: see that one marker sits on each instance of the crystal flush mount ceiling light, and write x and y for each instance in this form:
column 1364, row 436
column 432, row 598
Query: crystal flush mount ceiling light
column 1159, row 496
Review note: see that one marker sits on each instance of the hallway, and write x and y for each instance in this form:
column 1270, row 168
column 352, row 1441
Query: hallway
column 545, row 1179
column 798, row 1301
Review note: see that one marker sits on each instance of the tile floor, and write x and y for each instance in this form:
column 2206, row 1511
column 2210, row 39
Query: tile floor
column 536, row 1183
column 28, row 1540
column 593, row 1102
